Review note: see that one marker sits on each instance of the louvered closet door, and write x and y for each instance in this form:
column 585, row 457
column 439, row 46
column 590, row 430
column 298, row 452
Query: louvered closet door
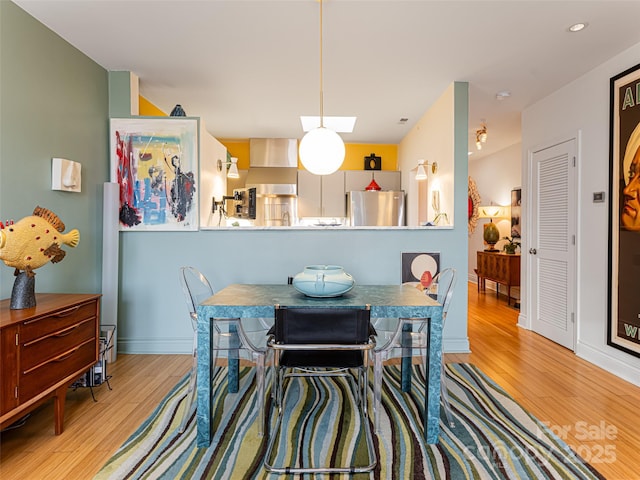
column 552, row 246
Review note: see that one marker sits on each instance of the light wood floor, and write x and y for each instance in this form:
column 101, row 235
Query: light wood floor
column 595, row 412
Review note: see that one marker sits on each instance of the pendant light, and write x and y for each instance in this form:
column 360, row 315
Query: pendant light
column 321, row 150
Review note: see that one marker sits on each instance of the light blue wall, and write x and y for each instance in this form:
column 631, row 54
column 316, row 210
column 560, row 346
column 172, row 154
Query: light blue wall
column 54, row 103
column 152, row 312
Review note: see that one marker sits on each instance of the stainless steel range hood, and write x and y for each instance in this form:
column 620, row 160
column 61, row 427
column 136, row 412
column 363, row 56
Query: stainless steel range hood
column 273, row 166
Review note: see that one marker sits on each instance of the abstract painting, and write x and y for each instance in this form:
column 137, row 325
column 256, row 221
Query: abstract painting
column 155, row 163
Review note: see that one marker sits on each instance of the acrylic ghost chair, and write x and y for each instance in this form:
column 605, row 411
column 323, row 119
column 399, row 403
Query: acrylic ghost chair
column 321, row 341
column 229, row 335
column 395, row 342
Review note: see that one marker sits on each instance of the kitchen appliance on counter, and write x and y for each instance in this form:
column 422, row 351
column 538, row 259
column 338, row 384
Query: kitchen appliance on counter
column 244, row 203
column 376, row 208
column 273, row 172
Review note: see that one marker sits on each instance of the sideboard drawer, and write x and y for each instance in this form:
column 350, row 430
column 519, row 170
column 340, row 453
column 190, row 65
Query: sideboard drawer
column 47, row 373
column 55, row 343
column 63, row 318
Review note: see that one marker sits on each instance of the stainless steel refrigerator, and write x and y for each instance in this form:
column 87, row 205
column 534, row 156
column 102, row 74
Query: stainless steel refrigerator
column 376, row 208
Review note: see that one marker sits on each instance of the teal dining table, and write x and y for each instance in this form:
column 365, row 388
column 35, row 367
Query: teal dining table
column 245, row 301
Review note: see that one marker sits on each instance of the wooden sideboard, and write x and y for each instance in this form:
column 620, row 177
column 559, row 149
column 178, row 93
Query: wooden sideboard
column 44, row 350
column 500, row 268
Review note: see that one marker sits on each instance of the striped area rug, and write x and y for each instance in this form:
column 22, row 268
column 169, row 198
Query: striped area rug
column 493, row 437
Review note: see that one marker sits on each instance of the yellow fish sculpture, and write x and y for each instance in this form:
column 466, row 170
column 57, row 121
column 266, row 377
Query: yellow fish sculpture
column 35, row 240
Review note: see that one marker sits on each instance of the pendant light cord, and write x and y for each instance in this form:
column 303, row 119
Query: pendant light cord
column 321, row 86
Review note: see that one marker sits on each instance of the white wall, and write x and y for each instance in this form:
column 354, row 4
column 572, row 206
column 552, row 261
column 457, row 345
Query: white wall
column 432, row 140
column 441, row 136
column 212, row 183
column 581, row 109
column 495, row 177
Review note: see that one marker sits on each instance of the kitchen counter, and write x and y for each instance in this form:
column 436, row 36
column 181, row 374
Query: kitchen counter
column 329, row 227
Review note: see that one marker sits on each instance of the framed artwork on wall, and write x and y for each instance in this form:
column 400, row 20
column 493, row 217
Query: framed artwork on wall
column 516, row 201
column 473, row 198
column 624, row 212
column 155, row 163
column 420, row 268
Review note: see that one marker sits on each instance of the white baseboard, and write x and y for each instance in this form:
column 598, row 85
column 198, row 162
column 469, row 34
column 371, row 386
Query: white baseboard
column 523, row 321
column 456, row 345
column 606, row 361
column 173, row 346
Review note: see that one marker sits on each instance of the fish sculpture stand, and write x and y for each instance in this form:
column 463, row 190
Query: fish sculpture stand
column 29, row 244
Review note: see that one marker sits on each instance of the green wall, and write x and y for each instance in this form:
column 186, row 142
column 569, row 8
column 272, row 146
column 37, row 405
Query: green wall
column 53, row 103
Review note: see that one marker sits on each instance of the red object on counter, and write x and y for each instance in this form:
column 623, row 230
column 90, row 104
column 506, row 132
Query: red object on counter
column 373, row 186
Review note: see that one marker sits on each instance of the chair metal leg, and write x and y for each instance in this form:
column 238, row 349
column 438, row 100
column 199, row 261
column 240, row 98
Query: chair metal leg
column 378, row 360
column 273, row 434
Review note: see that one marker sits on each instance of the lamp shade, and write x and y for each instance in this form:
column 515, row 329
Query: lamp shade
column 233, row 169
column 491, row 211
column 421, row 173
column 321, row 151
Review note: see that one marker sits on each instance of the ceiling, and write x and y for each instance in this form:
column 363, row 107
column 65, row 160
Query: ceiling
column 251, row 68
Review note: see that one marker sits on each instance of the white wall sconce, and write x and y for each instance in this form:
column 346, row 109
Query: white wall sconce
column 66, row 175
column 421, row 174
column 232, row 167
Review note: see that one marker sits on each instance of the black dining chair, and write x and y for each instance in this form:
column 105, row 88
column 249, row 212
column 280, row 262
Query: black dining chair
column 317, row 341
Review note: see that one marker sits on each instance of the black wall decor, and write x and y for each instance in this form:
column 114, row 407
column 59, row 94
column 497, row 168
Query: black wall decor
column 372, row 162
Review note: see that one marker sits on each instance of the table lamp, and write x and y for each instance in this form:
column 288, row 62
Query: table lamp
column 491, row 233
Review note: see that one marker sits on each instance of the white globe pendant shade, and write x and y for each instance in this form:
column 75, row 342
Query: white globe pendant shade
column 321, row 151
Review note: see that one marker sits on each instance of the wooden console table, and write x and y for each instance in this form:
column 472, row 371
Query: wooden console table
column 45, row 349
column 500, row 268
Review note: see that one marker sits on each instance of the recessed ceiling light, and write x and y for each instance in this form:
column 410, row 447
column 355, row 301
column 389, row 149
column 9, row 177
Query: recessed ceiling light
column 502, row 95
column 337, row 124
column 576, row 27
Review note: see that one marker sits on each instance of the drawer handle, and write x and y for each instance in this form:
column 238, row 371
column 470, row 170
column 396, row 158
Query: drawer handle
column 67, row 312
column 66, row 331
column 60, row 333
column 63, row 356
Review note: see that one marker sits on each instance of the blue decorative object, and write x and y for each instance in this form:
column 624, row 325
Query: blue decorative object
column 323, row 281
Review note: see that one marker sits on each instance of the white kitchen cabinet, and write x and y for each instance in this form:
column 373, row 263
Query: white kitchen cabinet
column 321, row 195
column 356, row 180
